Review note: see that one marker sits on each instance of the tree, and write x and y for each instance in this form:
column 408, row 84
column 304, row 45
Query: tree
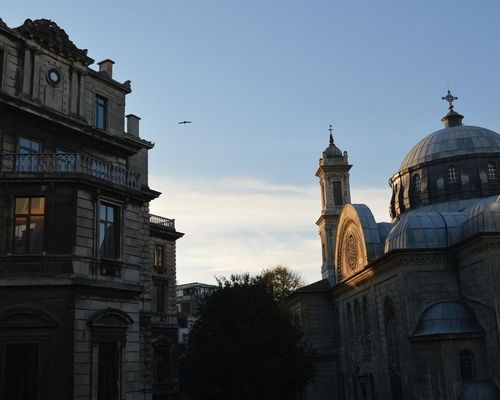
column 282, row 281
column 245, row 346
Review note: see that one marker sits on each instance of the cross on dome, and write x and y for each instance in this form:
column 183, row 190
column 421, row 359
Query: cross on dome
column 330, row 129
column 450, row 98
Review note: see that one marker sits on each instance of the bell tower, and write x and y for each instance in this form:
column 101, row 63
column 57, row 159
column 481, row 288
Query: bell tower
column 333, row 174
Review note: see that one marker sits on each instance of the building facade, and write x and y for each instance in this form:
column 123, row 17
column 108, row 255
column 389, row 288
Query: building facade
column 87, row 275
column 411, row 309
column 189, row 297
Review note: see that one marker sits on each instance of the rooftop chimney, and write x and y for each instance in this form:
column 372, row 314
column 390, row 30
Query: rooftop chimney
column 133, row 125
column 106, row 66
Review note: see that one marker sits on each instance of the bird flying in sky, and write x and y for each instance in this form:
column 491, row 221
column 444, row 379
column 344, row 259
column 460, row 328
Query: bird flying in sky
column 185, row 122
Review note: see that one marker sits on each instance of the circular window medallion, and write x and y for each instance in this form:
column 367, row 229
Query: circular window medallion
column 352, row 252
column 53, row 76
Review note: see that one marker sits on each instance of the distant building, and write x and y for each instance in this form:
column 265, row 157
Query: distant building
column 189, row 296
column 410, row 309
column 87, row 275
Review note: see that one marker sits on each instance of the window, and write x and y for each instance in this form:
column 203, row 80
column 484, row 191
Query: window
column 492, row 171
column 466, row 360
column 109, row 243
column 29, row 225
column 162, row 361
column 108, row 371
column 29, row 151
column 108, row 329
column 337, row 193
column 392, row 343
column 158, row 258
column 21, row 371
column 416, row 183
column 160, row 298
column 452, row 175
column 100, row 112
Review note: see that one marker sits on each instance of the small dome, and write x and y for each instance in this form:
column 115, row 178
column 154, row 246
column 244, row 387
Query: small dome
column 450, row 142
column 446, row 318
column 480, row 391
column 332, row 151
column 483, row 216
column 419, row 230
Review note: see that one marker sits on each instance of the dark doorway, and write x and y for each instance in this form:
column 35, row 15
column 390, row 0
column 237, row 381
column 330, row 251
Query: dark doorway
column 21, row 371
column 109, row 371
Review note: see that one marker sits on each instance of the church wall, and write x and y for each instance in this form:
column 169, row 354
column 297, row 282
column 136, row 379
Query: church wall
column 361, row 346
column 410, row 282
column 314, row 313
column 479, row 273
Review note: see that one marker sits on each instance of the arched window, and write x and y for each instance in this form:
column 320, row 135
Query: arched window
column 417, row 187
column 338, row 338
column 392, row 341
column 492, row 171
column 416, row 183
column 357, row 318
column 350, row 332
column 366, row 319
column 452, row 174
column 467, row 370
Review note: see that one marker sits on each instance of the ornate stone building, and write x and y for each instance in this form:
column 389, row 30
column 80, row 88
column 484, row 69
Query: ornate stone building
column 87, row 275
column 411, row 309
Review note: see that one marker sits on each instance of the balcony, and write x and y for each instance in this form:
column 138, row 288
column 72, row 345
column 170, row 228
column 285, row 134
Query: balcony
column 164, row 222
column 64, row 163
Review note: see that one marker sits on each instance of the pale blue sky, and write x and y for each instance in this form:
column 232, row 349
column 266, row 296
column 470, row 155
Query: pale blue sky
column 261, row 80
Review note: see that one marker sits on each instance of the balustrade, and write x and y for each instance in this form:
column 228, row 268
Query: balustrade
column 68, row 162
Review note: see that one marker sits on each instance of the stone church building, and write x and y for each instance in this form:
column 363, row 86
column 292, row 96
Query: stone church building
column 87, row 275
column 410, row 309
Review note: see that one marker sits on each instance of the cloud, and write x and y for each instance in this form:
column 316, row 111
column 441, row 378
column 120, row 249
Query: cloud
column 236, row 225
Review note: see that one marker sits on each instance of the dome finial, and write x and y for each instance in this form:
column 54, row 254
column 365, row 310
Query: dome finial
column 452, row 118
column 449, row 98
column 330, row 129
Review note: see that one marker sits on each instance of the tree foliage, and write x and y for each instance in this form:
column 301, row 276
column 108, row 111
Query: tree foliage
column 282, row 281
column 245, row 346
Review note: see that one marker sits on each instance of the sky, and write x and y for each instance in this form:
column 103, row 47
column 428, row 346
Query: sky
column 261, row 81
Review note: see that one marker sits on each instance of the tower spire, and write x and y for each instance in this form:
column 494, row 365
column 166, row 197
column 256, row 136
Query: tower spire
column 330, row 129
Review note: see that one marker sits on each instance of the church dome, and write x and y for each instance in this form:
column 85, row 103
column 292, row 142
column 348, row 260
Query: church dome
column 451, row 142
column 429, row 229
column 483, row 216
column 447, row 318
column 458, row 162
column 332, row 151
column 480, row 391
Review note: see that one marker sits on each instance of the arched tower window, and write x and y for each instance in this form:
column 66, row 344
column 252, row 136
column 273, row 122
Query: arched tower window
column 492, row 171
column 337, row 193
column 466, row 361
column 452, row 174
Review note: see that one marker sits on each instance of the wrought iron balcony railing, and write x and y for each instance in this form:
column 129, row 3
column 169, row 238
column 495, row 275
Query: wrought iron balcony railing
column 68, row 163
column 166, row 222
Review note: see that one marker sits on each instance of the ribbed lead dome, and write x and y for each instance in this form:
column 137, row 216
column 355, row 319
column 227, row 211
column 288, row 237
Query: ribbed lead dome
column 453, row 141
